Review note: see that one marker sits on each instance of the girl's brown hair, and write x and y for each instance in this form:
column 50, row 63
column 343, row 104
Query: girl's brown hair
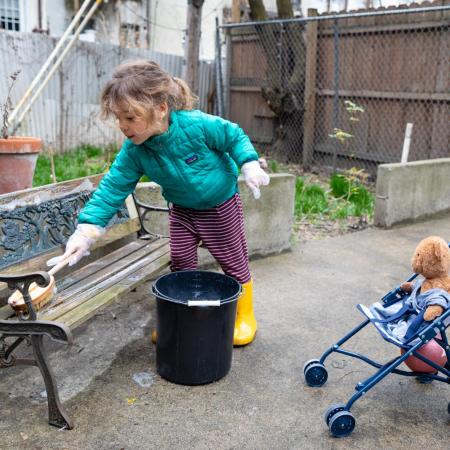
column 140, row 86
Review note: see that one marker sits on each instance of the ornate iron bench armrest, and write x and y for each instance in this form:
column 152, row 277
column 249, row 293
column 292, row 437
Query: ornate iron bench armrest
column 22, row 283
column 143, row 209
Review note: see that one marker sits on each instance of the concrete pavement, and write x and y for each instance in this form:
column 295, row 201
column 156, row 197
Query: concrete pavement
column 305, row 300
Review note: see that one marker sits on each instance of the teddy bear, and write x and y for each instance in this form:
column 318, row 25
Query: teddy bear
column 431, row 259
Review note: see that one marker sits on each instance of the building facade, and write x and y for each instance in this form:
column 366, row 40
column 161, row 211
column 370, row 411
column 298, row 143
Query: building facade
column 159, row 25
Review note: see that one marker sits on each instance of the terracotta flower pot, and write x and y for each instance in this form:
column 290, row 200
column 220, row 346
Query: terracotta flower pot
column 18, row 157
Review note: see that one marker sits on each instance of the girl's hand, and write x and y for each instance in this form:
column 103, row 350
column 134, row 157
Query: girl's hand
column 263, row 163
column 79, row 243
column 254, row 177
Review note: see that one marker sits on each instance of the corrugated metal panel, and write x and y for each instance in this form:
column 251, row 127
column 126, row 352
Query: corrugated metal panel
column 66, row 114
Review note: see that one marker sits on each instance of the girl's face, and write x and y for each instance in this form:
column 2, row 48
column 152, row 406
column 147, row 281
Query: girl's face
column 138, row 129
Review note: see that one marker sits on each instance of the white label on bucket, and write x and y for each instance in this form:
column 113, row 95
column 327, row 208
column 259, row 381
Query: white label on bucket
column 203, row 302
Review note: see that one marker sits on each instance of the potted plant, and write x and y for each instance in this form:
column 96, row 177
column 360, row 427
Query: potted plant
column 18, row 154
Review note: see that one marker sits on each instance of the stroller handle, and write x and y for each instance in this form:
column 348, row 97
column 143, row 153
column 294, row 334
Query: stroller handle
column 397, row 293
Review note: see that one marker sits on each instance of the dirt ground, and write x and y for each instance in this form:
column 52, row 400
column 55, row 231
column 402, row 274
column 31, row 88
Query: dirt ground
column 305, row 230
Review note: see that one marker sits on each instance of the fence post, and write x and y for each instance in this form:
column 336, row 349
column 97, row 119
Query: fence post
column 228, row 65
column 218, row 64
column 336, row 81
column 310, row 90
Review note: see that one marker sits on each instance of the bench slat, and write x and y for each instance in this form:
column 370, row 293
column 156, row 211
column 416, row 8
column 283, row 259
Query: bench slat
column 89, row 283
column 114, row 233
column 6, row 312
column 102, row 299
column 75, row 276
column 116, row 272
column 110, row 264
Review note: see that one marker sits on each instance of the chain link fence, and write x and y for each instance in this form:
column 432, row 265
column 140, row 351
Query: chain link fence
column 338, row 91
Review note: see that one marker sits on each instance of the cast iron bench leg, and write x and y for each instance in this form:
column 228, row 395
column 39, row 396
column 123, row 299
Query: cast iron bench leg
column 57, row 416
column 34, row 330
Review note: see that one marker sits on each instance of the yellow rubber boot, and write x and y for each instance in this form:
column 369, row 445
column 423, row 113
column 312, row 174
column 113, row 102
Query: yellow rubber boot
column 245, row 325
column 154, row 336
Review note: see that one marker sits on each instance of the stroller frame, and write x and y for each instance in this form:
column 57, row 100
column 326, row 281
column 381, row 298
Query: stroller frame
column 338, row 417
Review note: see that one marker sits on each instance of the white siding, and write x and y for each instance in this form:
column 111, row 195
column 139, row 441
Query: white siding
column 66, row 113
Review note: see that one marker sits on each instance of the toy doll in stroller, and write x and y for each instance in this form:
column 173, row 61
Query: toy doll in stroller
column 415, row 317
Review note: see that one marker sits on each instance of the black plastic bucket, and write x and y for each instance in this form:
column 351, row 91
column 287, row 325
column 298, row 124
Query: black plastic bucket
column 196, row 311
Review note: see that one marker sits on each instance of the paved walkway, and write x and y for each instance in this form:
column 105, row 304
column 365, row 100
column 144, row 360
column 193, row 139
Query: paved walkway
column 305, row 300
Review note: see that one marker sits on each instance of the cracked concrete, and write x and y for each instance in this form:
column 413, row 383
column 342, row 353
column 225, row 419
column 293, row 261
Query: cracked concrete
column 304, row 300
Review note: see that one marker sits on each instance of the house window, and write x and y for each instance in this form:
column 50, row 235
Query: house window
column 130, row 35
column 9, row 15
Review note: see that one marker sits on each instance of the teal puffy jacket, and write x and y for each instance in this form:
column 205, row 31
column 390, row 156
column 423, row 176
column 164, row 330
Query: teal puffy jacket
column 195, row 162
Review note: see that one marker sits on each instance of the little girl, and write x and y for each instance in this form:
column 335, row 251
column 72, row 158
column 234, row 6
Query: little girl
column 194, row 157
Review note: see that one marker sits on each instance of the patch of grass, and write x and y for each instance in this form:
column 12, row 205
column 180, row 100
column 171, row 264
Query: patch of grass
column 311, row 199
column 339, row 185
column 343, row 196
column 84, row 161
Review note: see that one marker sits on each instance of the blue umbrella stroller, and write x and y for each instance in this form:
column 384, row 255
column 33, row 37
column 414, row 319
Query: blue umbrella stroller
column 338, row 418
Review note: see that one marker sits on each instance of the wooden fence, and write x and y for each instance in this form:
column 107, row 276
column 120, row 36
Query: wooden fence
column 396, row 67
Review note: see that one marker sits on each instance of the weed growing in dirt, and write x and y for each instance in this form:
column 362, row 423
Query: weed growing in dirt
column 344, row 196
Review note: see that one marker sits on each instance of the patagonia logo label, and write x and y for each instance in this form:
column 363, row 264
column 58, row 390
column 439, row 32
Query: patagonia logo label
column 191, row 159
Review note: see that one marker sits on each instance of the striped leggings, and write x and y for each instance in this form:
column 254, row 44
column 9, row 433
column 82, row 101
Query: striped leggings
column 221, row 230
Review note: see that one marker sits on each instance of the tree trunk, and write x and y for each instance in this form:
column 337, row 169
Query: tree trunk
column 257, row 10
column 283, row 91
column 194, row 25
column 284, row 8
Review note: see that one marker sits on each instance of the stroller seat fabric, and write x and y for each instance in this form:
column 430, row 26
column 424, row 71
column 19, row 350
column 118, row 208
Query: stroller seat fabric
column 401, row 322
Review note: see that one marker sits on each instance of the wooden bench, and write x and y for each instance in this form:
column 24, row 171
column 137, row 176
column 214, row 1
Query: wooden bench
column 34, row 226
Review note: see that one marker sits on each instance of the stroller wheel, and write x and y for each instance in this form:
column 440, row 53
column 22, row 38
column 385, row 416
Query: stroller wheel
column 331, row 411
column 315, row 374
column 342, row 424
column 309, row 362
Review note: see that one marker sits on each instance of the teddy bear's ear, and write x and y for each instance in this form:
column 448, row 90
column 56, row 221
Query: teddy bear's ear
column 440, row 249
